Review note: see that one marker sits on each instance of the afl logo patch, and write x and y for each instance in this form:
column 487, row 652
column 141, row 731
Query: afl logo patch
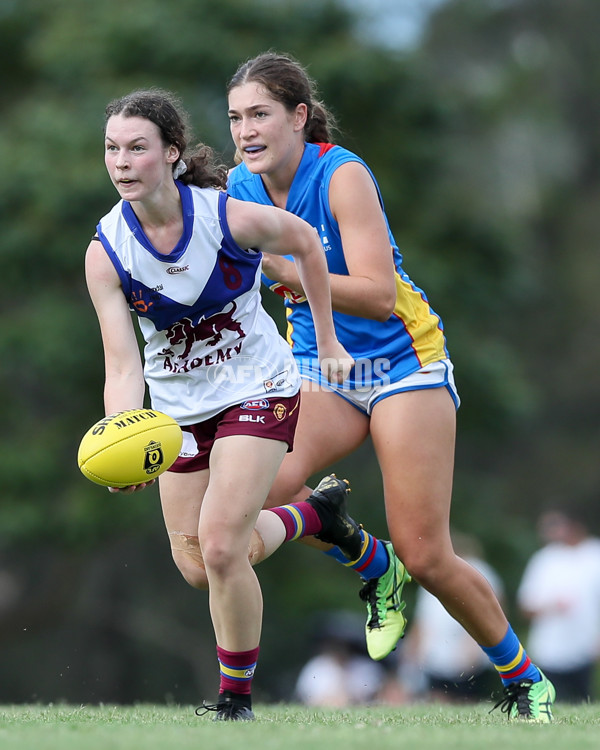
column 255, row 404
column 280, row 412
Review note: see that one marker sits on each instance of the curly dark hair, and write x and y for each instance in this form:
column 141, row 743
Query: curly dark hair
column 164, row 109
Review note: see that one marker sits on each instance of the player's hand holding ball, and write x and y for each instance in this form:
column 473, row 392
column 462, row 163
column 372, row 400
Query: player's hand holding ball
column 132, row 488
column 127, row 450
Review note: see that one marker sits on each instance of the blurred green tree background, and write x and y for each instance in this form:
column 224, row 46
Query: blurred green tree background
column 485, row 138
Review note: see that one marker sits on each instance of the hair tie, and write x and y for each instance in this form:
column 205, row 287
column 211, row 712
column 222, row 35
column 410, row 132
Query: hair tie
column 180, row 168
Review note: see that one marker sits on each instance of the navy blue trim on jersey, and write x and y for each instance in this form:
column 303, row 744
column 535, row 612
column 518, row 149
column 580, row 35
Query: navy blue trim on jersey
column 227, row 236
column 187, row 209
column 233, row 274
column 124, row 277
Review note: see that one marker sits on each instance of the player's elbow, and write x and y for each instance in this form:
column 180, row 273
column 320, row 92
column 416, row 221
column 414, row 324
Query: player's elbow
column 383, row 305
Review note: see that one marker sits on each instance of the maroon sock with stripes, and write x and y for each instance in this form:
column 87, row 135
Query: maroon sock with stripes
column 237, row 670
column 300, row 519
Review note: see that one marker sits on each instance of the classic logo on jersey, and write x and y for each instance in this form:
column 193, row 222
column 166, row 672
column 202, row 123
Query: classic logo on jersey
column 172, row 270
column 255, row 404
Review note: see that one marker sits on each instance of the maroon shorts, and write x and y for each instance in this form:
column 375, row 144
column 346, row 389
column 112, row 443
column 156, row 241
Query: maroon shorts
column 272, row 418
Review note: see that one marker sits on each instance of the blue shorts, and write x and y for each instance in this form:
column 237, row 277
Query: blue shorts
column 435, row 375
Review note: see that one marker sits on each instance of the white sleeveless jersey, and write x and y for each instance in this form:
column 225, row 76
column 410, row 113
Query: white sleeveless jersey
column 209, row 342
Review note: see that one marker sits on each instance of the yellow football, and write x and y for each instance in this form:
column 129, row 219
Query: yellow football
column 129, row 447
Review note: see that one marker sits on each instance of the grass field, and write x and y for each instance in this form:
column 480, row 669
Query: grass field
column 289, row 727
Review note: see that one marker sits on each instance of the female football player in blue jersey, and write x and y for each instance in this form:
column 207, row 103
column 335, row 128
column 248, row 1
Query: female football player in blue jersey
column 401, row 389
column 184, row 256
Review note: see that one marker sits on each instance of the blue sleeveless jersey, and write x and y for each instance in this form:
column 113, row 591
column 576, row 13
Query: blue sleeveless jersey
column 411, row 338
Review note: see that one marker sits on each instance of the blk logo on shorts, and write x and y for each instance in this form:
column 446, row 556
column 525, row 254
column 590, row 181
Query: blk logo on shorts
column 256, row 418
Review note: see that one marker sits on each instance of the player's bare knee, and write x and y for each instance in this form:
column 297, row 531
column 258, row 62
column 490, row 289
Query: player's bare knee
column 219, row 554
column 223, row 554
column 426, row 566
column 188, row 558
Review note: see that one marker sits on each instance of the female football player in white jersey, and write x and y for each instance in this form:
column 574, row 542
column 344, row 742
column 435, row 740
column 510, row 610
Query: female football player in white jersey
column 186, row 257
column 401, row 389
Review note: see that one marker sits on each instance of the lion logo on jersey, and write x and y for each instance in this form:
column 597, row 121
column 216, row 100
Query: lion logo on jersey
column 206, row 329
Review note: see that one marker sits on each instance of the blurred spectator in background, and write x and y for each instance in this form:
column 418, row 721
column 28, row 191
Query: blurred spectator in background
column 340, row 673
column 439, row 659
column 560, row 595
